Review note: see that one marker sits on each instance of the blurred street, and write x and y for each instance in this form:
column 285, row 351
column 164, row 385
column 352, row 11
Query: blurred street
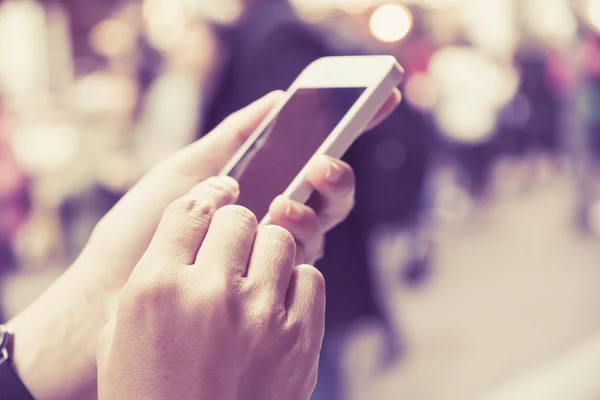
column 514, row 286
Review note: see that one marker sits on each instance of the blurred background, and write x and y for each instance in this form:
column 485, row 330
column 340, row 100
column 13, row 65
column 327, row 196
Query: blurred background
column 469, row 268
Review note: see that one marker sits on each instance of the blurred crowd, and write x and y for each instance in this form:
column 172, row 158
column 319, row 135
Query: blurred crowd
column 468, row 269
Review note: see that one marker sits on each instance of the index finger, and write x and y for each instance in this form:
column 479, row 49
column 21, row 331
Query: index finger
column 386, row 109
column 334, row 184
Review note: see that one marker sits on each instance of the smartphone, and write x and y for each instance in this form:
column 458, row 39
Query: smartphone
column 324, row 111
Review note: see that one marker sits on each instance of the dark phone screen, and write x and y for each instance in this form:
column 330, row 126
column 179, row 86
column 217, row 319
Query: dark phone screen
column 281, row 151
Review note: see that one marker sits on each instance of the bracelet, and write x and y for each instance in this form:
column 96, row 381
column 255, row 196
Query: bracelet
column 11, row 385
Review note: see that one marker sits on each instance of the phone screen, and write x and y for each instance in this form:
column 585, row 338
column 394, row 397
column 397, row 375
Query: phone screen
column 285, row 146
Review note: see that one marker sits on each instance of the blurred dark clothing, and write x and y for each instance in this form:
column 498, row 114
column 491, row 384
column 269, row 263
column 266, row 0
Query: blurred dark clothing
column 529, row 123
column 534, row 121
column 14, row 198
column 267, row 50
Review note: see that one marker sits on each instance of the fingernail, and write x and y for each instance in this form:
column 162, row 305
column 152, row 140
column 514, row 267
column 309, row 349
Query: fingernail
column 334, row 173
column 293, row 213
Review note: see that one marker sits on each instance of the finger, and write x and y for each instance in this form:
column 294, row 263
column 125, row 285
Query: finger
column 228, row 244
column 388, row 107
column 219, row 146
column 186, row 221
column 302, row 222
column 271, row 263
column 299, row 219
column 312, row 252
column 305, row 301
column 334, row 183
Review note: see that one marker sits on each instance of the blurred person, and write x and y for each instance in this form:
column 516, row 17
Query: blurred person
column 56, row 338
column 171, row 86
column 529, row 124
column 14, row 196
column 169, row 117
column 266, row 50
column 511, row 310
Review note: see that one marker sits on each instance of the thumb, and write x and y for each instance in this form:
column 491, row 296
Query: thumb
column 211, row 153
column 104, row 343
column 102, row 356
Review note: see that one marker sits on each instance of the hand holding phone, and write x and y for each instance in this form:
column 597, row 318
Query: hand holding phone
column 323, row 113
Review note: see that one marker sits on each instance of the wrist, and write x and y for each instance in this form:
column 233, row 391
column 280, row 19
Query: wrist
column 55, row 338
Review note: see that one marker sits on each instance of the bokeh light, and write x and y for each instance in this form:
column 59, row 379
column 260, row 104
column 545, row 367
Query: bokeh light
column 473, row 88
column 420, row 91
column 553, row 21
column 113, row 37
column 440, row 4
column 391, row 23
column 391, row 154
column 593, row 12
column 491, row 25
column 46, row 148
column 467, row 121
column 354, row 6
column 23, row 57
column 101, row 93
column 165, row 23
column 311, row 10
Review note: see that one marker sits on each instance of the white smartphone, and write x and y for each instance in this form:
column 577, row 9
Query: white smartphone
column 324, row 112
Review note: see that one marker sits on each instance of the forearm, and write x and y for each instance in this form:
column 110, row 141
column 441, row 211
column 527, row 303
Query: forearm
column 55, row 338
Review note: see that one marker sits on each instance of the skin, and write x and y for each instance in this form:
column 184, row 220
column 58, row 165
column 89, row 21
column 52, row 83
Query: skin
column 233, row 317
column 62, row 327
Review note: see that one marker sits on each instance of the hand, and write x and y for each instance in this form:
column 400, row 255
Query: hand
column 215, row 310
column 334, row 184
column 137, row 214
column 62, row 327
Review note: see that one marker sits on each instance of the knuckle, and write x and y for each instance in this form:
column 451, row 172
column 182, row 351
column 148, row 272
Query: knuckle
column 281, row 236
column 310, row 341
column 155, row 292
column 347, row 171
column 219, row 292
column 306, row 341
column 217, row 288
column 231, row 125
column 315, row 250
column 232, row 119
column 312, row 220
column 351, row 204
column 336, row 217
column 350, row 173
column 219, row 186
column 217, row 298
column 321, row 249
column 190, row 207
column 315, row 280
column 264, row 317
column 240, row 217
